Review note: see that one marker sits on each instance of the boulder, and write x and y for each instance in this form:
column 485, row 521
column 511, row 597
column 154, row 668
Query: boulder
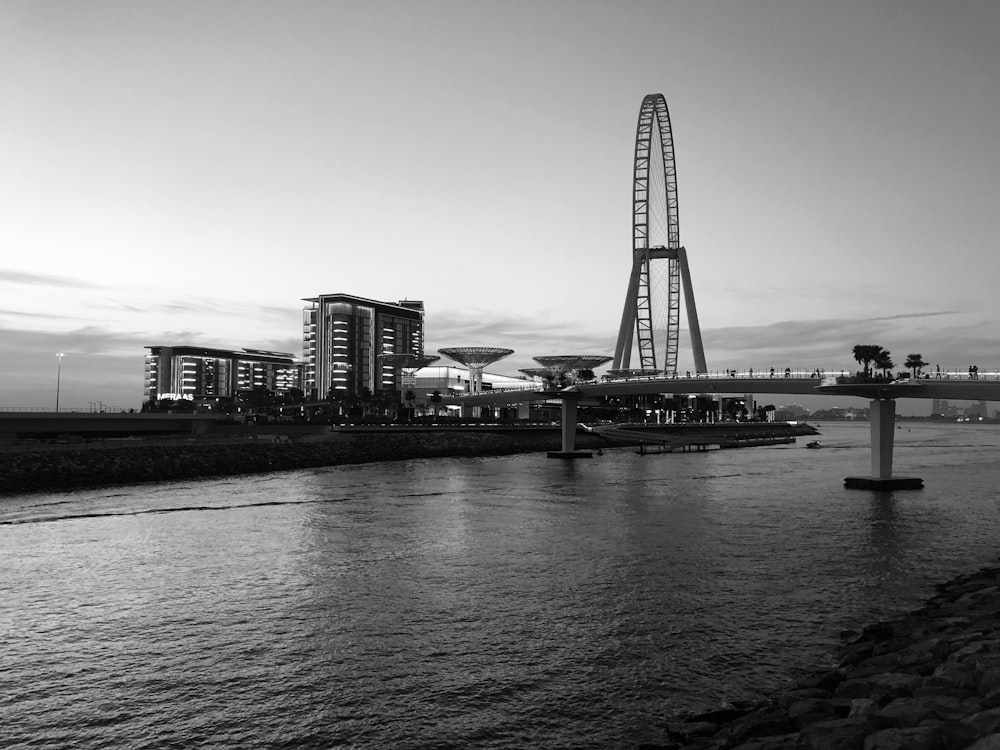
column 839, row 734
column 911, row 738
column 989, row 742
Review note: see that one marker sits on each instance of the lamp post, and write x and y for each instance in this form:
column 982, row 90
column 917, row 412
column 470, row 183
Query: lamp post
column 60, row 355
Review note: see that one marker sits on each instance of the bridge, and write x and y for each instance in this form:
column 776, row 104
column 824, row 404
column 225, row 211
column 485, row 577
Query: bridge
column 882, row 397
column 650, row 327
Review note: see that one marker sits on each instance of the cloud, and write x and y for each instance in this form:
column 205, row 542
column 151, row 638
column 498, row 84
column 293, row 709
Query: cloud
column 919, row 315
column 31, row 315
column 41, row 279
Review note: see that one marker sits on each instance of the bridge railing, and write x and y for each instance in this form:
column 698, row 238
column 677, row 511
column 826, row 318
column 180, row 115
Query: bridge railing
column 62, row 410
column 752, row 373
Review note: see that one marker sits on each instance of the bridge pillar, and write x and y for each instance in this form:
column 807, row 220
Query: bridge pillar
column 569, row 411
column 882, row 417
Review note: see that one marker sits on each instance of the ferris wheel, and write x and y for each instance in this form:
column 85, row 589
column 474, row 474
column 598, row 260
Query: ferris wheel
column 651, row 317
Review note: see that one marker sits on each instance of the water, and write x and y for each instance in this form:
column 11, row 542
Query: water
column 495, row 603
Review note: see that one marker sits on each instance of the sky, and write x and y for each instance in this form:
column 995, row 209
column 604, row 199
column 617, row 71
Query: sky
column 187, row 171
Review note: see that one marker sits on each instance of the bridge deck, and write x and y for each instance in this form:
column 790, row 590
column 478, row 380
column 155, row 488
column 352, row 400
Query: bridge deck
column 971, row 389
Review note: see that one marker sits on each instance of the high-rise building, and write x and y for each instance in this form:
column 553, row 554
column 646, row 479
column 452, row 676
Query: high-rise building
column 342, row 336
column 201, row 373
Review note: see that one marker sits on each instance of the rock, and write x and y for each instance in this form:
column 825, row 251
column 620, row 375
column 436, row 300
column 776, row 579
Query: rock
column 852, row 688
column 950, row 708
column 840, row 734
column 777, row 742
column 901, row 713
column 862, row 707
column 796, row 695
column 989, row 742
column 886, row 662
column 912, row 738
column 953, row 673
column 854, row 653
column 761, row 723
column 899, row 683
column 828, row 680
column 685, row 731
column 811, row 710
column 928, row 681
column 977, row 647
column 984, row 722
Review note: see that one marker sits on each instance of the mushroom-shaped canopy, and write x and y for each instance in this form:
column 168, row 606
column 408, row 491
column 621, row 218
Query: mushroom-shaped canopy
column 475, row 357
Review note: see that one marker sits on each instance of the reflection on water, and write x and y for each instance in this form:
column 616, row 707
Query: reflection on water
column 498, row 603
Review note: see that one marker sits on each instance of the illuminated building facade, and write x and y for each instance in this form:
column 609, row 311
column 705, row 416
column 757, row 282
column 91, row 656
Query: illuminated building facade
column 205, row 374
column 343, row 336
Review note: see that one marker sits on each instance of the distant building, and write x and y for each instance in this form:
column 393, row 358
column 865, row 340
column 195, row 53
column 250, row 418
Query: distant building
column 454, row 381
column 342, row 336
column 942, row 408
column 976, row 410
column 791, row 412
column 206, row 374
column 839, row 412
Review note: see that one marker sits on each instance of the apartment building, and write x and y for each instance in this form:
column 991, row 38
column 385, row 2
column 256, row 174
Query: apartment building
column 208, row 374
column 343, row 336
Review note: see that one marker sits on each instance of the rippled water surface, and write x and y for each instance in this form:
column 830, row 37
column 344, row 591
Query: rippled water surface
column 495, row 603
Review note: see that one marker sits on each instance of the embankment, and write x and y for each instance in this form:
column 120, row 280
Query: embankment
column 92, row 465
column 929, row 680
column 222, row 452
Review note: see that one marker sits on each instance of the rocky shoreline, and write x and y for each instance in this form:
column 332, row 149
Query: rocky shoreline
column 54, row 468
column 110, row 465
column 929, row 680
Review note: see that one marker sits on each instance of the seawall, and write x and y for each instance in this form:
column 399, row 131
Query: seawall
column 241, row 450
column 108, row 465
column 928, row 680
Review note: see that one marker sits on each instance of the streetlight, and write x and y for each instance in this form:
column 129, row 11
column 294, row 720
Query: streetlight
column 60, row 355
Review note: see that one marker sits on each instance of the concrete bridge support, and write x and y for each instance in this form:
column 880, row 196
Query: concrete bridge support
column 882, row 416
column 570, row 402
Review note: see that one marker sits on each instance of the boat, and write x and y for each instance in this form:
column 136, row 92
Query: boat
column 814, row 444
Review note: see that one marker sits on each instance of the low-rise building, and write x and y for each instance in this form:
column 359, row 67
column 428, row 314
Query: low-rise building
column 208, row 374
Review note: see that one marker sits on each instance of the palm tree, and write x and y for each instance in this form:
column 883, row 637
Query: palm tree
column 883, row 361
column 435, row 399
column 865, row 354
column 915, row 362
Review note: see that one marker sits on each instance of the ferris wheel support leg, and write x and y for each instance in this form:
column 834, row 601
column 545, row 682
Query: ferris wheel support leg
column 697, row 347
column 623, row 349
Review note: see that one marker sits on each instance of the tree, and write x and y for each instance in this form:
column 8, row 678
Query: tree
column 294, row 396
column 257, row 397
column 915, row 362
column 883, row 361
column 865, row 354
column 435, row 399
column 365, row 397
